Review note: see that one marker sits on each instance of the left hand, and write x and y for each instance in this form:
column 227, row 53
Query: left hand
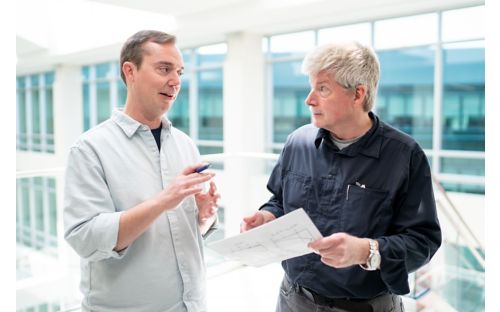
column 207, row 203
column 341, row 250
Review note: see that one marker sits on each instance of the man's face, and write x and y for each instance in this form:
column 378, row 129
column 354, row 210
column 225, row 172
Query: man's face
column 158, row 80
column 331, row 105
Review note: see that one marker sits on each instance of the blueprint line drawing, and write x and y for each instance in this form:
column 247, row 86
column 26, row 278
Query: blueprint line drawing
column 281, row 239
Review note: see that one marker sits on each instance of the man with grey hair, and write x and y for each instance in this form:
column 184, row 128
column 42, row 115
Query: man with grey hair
column 134, row 206
column 366, row 186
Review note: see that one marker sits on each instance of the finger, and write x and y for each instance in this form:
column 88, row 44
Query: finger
column 317, row 244
column 250, row 219
column 216, row 198
column 190, row 191
column 213, row 188
column 191, row 169
column 197, row 178
column 329, row 262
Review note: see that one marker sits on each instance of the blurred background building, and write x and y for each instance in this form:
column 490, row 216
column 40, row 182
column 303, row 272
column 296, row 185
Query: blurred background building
column 242, row 94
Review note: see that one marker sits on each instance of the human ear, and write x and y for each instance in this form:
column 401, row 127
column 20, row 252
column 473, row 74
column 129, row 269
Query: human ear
column 128, row 69
column 360, row 93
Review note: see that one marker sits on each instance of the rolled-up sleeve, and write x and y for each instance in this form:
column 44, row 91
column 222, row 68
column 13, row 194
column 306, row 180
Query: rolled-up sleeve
column 415, row 234
column 91, row 221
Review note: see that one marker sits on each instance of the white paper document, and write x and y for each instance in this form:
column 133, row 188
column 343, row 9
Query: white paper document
column 281, row 239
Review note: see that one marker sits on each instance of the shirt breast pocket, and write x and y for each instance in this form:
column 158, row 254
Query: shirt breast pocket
column 363, row 211
column 295, row 191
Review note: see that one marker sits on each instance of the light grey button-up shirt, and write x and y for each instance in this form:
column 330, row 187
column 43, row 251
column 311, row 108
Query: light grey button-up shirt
column 114, row 167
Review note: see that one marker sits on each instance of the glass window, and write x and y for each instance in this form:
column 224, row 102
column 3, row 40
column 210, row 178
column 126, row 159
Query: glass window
column 289, row 45
column 86, row 106
column 405, row 96
column 211, row 54
column 26, row 203
column 463, row 188
column 35, row 120
column 210, row 108
column 39, row 209
column 49, row 119
column 357, row 32
column 52, row 213
column 34, row 79
column 22, row 142
column 85, row 73
column 122, row 94
column 455, row 29
column 103, row 101
column 406, row 31
column 463, row 96
column 290, row 89
column 103, row 70
column 464, row 166
column 103, row 89
column 179, row 112
column 35, row 100
column 37, row 212
column 204, row 150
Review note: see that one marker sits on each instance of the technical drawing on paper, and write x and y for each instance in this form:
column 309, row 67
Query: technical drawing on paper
column 283, row 238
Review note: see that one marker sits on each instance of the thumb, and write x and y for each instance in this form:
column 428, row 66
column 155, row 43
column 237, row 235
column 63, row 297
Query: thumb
column 251, row 218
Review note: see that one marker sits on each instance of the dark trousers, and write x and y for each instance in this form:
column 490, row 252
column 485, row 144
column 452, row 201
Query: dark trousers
column 294, row 298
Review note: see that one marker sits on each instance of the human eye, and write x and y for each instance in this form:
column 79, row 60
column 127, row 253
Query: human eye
column 180, row 72
column 323, row 91
column 164, row 69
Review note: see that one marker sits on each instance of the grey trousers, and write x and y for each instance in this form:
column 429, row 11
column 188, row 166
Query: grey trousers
column 293, row 298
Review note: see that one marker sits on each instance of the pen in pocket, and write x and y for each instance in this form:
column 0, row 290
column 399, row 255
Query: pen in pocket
column 349, row 186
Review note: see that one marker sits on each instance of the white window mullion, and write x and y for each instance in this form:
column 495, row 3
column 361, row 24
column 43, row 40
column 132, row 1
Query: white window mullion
column 43, row 117
column 18, row 121
column 438, row 101
column 29, row 126
column 32, row 221
column 46, row 212
column 113, row 87
column 92, row 97
column 269, row 98
column 19, row 211
column 193, row 98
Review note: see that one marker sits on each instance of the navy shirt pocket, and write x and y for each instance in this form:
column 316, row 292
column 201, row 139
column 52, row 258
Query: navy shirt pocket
column 296, row 187
column 363, row 210
column 324, row 195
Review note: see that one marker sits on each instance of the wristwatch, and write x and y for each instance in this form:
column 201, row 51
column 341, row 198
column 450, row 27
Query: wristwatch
column 373, row 261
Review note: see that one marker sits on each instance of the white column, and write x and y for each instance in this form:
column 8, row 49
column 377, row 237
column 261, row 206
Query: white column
column 68, row 109
column 68, row 125
column 244, row 126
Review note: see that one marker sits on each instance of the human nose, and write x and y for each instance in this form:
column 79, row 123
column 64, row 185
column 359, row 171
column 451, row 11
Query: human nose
column 175, row 80
column 310, row 99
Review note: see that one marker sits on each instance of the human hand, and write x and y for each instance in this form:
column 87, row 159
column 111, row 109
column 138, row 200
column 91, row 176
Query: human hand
column 341, row 250
column 187, row 183
column 207, row 203
column 257, row 219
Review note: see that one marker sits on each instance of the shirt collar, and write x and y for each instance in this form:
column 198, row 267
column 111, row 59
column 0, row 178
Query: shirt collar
column 130, row 126
column 369, row 144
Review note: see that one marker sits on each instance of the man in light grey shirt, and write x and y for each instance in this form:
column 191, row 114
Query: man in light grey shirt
column 134, row 207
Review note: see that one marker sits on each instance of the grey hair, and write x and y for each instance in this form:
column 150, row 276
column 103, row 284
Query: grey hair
column 350, row 64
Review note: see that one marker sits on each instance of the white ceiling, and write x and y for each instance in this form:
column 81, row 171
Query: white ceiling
column 52, row 31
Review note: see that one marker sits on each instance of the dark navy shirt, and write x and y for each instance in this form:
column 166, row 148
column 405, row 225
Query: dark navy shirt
column 157, row 135
column 379, row 187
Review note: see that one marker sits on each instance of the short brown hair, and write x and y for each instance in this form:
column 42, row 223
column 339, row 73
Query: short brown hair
column 132, row 49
